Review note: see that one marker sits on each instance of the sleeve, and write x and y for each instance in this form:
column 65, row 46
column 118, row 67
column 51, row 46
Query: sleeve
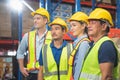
column 22, row 47
column 41, row 59
column 79, row 58
column 107, row 53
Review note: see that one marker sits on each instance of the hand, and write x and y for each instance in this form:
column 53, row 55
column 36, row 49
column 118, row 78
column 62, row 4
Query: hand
column 24, row 71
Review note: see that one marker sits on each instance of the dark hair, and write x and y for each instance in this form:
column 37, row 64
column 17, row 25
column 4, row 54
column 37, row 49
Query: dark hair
column 103, row 22
column 63, row 28
column 82, row 22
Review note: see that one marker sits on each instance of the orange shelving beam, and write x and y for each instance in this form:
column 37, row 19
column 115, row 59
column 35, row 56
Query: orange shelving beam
column 89, row 3
column 8, row 42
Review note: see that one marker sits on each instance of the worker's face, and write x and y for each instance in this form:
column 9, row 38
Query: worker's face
column 77, row 28
column 39, row 21
column 57, row 32
column 94, row 28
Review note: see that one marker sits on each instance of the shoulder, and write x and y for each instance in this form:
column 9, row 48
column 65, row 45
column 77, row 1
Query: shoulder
column 25, row 35
column 107, row 52
column 85, row 43
column 107, row 46
column 108, row 42
column 25, row 38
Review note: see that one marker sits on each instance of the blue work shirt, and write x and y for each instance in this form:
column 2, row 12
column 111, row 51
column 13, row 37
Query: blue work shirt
column 55, row 51
column 79, row 56
column 107, row 54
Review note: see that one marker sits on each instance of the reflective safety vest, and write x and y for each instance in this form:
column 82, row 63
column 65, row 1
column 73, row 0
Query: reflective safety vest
column 72, row 56
column 91, row 68
column 33, row 64
column 51, row 70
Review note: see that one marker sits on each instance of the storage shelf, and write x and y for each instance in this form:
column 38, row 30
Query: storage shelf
column 8, row 42
column 88, row 3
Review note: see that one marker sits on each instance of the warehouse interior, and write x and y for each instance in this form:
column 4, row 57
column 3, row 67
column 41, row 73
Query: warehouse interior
column 15, row 22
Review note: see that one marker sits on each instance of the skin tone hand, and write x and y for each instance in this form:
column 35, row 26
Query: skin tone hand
column 40, row 73
column 22, row 69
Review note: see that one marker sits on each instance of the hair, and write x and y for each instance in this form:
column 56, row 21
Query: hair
column 45, row 17
column 83, row 22
column 102, row 21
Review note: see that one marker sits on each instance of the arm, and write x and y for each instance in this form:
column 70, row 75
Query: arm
column 40, row 73
column 79, row 58
column 106, row 70
column 20, row 54
column 22, row 69
column 107, row 60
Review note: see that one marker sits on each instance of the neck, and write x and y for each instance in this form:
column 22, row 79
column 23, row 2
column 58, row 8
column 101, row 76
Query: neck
column 95, row 39
column 41, row 31
column 58, row 43
column 81, row 34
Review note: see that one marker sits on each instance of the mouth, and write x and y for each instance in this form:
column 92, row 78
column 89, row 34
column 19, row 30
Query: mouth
column 89, row 29
column 54, row 35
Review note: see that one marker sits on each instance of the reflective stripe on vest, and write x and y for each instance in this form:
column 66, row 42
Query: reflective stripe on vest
column 31, row 50
column 32, row 62
column 71, row 59
column 90, row 76
column 91, row 69
column 50, row 66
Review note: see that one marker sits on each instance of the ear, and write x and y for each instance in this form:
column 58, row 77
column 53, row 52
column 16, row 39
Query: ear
column 104, row 27
column 45, row 20
column 83, row 26
column 64, row 31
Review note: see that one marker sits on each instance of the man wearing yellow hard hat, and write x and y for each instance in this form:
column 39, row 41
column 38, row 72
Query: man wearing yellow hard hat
column 101, row 62
column 54, row 56
column 78, row 25
column 32, row 42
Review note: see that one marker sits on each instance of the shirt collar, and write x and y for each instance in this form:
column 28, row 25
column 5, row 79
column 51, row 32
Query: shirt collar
column 79, row 38
column 43, row 34
column 63, row 44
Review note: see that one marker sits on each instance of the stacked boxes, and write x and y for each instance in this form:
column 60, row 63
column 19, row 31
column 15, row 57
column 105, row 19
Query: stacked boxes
column 5, row 68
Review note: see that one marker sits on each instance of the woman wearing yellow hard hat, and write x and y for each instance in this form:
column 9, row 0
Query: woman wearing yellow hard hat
column 78, row 23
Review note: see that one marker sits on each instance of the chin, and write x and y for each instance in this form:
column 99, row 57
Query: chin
column 74, row 35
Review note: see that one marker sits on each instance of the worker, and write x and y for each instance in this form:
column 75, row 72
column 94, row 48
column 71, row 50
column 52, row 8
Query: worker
column 78, row 23
column 33, row 41
column 54, row 56
column 101, row 62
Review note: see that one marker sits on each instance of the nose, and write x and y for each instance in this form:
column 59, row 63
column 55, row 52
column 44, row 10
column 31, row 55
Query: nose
column 35, row 20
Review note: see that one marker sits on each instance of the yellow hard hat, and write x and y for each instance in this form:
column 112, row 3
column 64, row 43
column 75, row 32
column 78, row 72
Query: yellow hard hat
column 100, row 13
column 79, row 16
column 43, row 12
column 59, row 21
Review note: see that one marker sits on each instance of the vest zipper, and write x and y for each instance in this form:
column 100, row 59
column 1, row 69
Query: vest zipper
column 58, row 71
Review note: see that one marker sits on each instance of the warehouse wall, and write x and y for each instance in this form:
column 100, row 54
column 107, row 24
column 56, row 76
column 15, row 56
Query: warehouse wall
column 5, row 25
column 5, row 19
column 5, row 16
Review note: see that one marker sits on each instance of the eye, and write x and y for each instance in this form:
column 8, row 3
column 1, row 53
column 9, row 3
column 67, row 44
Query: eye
column 38, row 18
column 56, row 28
